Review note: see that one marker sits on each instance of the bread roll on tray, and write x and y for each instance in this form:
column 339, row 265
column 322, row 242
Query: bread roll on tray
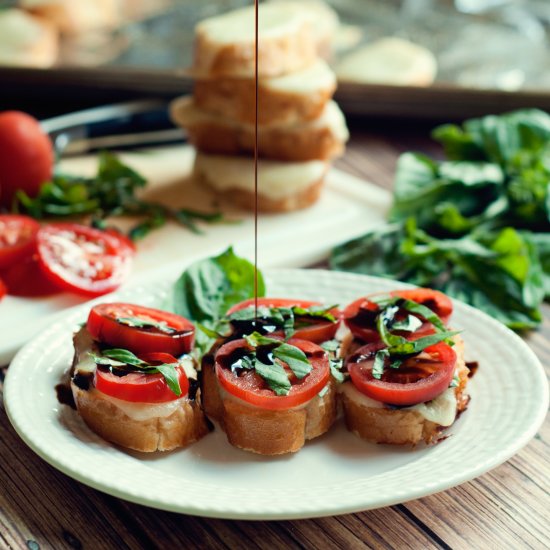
column 319, row 139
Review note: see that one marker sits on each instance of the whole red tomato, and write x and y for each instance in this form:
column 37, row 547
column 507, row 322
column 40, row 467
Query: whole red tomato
column 26, row 155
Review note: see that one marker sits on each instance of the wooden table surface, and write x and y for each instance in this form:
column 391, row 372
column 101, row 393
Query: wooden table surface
column 506, row 508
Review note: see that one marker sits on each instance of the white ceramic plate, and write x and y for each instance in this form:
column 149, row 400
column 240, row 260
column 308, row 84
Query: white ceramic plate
column 335, row 474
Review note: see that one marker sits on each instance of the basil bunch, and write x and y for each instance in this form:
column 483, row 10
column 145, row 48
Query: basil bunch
column 475, row 226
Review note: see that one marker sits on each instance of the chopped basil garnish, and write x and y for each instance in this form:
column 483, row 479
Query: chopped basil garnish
column 122, row 359
column 398, row 347
column 287, row 319
column 323, row 392
column 331, row 345
column 274, row 373
column 455, row 382
column 336, row 366
column 275, row 376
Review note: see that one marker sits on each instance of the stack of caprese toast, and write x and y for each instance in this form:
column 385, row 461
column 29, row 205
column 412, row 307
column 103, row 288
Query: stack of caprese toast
column 276, row 375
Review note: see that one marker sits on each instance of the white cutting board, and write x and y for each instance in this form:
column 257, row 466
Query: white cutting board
column 347, row 208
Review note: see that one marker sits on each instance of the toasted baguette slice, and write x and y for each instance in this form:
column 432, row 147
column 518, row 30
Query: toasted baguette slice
column 264, row 431
column 389, row 61
column 282, row 186
column 287, row 99
column 27, row 41
column 379, row 423
column 114, row 422
column 323, row 19
column 73, row 17
column 319, row 139
column 143, row 427
column 225, row 44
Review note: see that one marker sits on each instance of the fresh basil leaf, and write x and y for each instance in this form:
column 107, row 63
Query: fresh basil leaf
column 275, row 377
column 124, row 356
column 375, row 253
column 210, row 332
column 324, row 391
column 295, row 358
column 117, row 357
column 141, row 323
column 416, row 346
column 395, row 363
column 208, row 288
column 541, row 242
column 423, row 311
column 379, row 363
column 170, row 374
column 336, row 366
column 315, row 312
column 99, row 360
column 256, row 339
column 331, row 345
column 384, row 321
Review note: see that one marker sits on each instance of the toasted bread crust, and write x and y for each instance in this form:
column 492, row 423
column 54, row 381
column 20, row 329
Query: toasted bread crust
column 276, row 144
column 235, row 99
column 263, row 431
column 295, row 144
column 246, row 199
column 400, row 426
column 184, row 426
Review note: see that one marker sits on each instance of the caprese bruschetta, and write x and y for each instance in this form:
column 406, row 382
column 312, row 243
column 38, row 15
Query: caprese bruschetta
column 407, row 383
column 271, row 395
column 133, row 380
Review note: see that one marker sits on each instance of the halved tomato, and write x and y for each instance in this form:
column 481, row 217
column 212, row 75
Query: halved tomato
column 117, row 325
column 17, row 238
column 3, row 289
column 82, row 259
column 360, row 315
column 308, row 328
column 252, row 388
column 26, row 279
column 141, row 388
column 419, row 379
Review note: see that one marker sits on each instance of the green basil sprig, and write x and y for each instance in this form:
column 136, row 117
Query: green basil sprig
column 123, row 359
column 398, row 347
column 136, row 322
column 274, row 373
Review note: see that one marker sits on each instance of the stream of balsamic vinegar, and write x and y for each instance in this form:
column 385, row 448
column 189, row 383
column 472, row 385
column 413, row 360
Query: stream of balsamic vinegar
column 256, row 161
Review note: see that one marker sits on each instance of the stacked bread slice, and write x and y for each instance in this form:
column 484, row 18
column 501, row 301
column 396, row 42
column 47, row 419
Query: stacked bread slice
column 300, row 128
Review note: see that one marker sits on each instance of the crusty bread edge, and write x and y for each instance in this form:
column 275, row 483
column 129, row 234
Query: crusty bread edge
column 262, row 431
column 185, row 425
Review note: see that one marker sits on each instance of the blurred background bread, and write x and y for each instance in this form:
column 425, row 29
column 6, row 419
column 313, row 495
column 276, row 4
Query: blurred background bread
column 224, row 44
column 75, row 16
column 299, row 127
column 26, row 40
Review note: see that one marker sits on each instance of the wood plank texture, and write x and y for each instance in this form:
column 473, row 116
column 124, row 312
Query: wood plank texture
column 506, row 508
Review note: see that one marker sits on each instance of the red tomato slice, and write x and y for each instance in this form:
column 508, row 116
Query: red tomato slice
column 26, row 279
column 421, row 378
column 26, row 156
column 82, row 259
column 3, row 289
column 103, row 326
column 17, row 238
column 142, row 388
column 250, row 387
column 360, row 315
column 318, row 331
